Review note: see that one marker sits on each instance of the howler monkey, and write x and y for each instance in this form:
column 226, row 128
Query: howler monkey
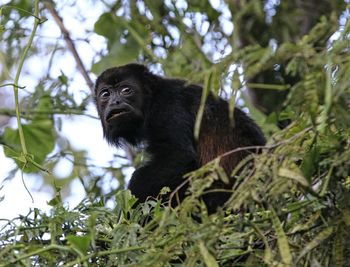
column 136, row 106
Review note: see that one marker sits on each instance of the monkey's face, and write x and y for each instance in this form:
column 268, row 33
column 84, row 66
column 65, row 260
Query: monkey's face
column 119, row 104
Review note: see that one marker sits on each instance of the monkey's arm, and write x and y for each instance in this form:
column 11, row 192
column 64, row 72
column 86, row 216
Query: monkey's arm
column 171, row 148
column 167, row 170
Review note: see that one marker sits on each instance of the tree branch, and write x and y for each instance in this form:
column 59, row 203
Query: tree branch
column 70, row 44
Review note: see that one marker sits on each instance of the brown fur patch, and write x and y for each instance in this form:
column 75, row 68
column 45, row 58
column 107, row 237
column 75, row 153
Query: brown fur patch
column 212, row 145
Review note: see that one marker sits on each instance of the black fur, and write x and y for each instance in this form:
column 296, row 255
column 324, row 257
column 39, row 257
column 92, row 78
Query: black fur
column 161, row 113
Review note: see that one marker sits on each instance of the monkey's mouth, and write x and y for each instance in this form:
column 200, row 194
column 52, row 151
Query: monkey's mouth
column 116, row 113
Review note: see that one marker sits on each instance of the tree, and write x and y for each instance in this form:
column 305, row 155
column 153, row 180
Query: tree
column 286, row 61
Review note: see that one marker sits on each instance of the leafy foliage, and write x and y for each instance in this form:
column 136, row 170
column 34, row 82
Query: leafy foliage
column 40, row 128
column 290, row 205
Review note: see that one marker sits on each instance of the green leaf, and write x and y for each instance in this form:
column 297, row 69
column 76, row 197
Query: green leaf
column 310, row 162
column 24, row 5
column 208, row 258
column 43, row 109
column 57, row 200
column 200, row 6
column 157, row 8
column 120, row 54
column 108, row 26
column 338, row 247
column 323, row 235
column 80, row 243
column 39, row 136
column 293, row 174
column 125, row 198
column 267, row 252
column 200, row 113
column 268, row 123
column 125, row 201
column 40, row 141
column 306, row 225
column 282, row 239
column 63, row 78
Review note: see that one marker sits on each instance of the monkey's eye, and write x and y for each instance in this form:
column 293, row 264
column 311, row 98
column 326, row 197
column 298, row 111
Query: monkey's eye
column 126, row 91
column 104, row 93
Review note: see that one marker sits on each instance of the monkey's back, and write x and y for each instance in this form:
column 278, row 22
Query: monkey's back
column 219, row 135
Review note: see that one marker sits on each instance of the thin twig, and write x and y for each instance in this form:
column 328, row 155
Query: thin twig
column 266, row 146
column 103, row 253
column 37, row 21
column 70, row 44
column 243, row 149
column 26, row 115
column 13, row 85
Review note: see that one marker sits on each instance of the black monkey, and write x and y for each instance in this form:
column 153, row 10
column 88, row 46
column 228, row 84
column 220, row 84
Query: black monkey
column 136, row 106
